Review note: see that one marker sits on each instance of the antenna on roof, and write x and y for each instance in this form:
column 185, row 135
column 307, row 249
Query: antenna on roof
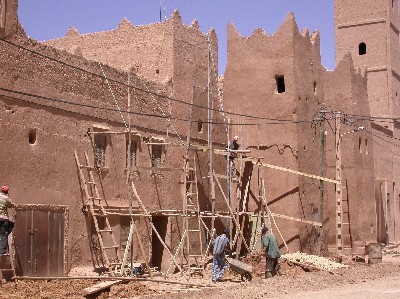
column 162, row 6
column 160, row 9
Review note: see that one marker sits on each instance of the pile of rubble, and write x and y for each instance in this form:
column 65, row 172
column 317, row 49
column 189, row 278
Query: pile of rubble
column 313, row 261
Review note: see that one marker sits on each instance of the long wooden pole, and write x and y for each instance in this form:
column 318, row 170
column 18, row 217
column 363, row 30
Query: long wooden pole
column 176, row 251
column 322, row 173
column 156, row 232
column 231, row 213
column 339, row 202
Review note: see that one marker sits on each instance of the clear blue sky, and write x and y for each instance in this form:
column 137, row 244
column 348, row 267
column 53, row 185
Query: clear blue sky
column 49, row 19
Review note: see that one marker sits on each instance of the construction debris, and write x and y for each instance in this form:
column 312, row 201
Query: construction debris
column 312, row 261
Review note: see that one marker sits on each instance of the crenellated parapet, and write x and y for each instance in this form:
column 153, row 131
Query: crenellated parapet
column 9, row 24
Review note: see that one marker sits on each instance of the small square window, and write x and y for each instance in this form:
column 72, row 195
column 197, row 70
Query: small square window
column 280, row 84
column 362, row 49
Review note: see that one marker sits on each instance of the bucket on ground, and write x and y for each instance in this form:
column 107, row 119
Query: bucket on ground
column 375, row 253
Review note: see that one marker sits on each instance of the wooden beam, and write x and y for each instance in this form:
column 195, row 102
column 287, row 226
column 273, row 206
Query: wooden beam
column 109, row 278
column 231, row 212
column 292, row 171
column 158, row 168
column 100, row 286
column 297, row 219
column 156, row 232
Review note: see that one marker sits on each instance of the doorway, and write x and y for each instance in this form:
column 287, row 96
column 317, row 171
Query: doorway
column 157, row 252
column 381, row 229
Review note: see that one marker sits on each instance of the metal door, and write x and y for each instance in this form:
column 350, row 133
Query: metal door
column 39, row 242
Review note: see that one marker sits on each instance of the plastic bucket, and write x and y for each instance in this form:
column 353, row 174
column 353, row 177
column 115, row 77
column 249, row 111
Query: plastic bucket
column 375, row 253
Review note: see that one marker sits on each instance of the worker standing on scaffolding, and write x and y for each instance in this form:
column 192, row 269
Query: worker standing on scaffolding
column 233, row 146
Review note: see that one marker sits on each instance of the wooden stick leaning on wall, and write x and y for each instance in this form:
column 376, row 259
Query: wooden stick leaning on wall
column 133, row 229
column 277, row 228
column 232, row 215
column 176, row 252
column 155, row 230
column 208, row 246
column 239, row 240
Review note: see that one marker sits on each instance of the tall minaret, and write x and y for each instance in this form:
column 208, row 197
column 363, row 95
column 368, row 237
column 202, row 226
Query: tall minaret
column 369, row 30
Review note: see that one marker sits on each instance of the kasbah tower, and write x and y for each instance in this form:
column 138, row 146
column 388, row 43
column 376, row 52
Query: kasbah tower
column 369, row 31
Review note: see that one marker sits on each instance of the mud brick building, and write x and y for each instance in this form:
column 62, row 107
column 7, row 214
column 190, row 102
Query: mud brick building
column 124, row 97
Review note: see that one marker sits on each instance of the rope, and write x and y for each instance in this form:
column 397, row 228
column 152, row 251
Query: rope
column 162, row 111
column 220, row 98
column 112, row 93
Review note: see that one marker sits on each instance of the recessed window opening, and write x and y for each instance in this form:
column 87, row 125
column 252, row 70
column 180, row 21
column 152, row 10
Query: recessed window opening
column 157, row 71
column 359, row 145
column 100, row 146
column 200, row 126
column 280, row 84
column 366, row 146
column 32, row 136
column 362, row 49
column 156, row 151
column 315, row 87
column 131, row 153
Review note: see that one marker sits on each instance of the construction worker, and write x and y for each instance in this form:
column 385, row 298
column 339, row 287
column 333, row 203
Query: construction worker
column 272, row 253
column 219, row 260
column 233, row 146
column 6, row 225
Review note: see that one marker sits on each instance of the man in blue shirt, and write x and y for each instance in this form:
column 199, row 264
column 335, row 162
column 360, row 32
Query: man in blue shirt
column 271, row 252
column 219, row 261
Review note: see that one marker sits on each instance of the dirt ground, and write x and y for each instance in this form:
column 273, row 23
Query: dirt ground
column 359, row 280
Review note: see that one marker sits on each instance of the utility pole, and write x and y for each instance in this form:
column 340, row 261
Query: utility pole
column 339, row 208
column 209, row 135
column 322, row 172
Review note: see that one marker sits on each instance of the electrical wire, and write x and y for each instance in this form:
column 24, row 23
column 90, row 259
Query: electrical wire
column 43, row 98
column 148, row 91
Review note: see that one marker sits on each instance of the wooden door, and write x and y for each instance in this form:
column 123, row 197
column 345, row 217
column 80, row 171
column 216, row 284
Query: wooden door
column 39, row 239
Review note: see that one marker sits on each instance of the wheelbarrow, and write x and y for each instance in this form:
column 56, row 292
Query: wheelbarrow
column 245, row 270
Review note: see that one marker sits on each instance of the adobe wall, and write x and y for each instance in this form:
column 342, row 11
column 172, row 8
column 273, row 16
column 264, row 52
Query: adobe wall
column 47, row 173
column 377, row 24
column 167, row 53
column 147, row 49
column 355, row 23
column 250, row 88
column 345, row 90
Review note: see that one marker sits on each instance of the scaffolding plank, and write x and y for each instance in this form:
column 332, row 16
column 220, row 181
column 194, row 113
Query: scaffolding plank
column 297, row 219
column 292, row 171
column 100, row 286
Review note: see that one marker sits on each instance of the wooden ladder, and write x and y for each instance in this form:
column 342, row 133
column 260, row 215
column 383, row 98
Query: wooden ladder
column 192, row 217
column 343, row 226
column 108, row 246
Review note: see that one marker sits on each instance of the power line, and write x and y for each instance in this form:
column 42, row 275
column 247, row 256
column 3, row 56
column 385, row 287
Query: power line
column 43, row 98
column 148, row 91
